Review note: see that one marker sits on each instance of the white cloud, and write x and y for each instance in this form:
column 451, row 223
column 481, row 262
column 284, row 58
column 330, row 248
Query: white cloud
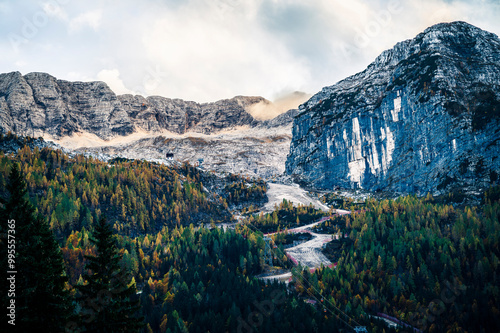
column 112, row 78
column 53, row 9
column 77, row 76
column 90, row 19
column 206, row 50
column 207, row 58
column 20, row 64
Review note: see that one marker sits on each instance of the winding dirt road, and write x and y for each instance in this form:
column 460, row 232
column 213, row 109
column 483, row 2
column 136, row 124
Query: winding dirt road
column 308, row 253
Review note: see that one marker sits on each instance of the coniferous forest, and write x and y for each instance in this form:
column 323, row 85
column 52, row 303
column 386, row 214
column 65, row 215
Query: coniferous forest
column 134, row 246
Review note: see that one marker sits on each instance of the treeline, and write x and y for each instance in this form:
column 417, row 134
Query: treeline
column 432, row 266
column 285, row 216
column 200, row 279
column 209, row 287
column 140, row 197
column 236, row 191
column 243, row 194
column 189, row 278
column 192, row 279
column 338, row 201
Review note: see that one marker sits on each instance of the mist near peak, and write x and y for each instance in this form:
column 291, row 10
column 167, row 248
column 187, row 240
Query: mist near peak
column 265, row 110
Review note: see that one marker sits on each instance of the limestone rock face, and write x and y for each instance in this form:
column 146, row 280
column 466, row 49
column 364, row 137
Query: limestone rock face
column 37, row 104
column 423, row 117
column 283, row 119
column 223, row 133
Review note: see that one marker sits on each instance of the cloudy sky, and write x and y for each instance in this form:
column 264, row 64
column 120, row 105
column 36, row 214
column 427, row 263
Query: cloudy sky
column 204, row 50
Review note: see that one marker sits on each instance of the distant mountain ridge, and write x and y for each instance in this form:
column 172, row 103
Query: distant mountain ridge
column 89, row 117
column 423, row 117
column 38, row 103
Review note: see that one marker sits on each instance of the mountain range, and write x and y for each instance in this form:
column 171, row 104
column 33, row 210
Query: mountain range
column 423, row 117
column 233, row 135
column 39, row 104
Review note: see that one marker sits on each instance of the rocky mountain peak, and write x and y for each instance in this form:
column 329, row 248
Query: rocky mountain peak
column 38, row 104
column 424, row 116
column 452, row 39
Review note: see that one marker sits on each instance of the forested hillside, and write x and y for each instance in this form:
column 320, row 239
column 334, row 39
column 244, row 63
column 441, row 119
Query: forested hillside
column 285, row 216
column 433, row 266
column 427, row 265
column 189, row 278
column 139, row 197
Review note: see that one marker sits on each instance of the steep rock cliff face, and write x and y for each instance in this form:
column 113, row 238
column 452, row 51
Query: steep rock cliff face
column 37, row 104
column 156, row 113
column 423, row 117
column 224, row 133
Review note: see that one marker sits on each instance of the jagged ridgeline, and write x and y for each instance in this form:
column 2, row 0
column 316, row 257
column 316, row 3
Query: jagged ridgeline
column 423, row 117
column 39, row 104
column 90, row 116
column 139, row 196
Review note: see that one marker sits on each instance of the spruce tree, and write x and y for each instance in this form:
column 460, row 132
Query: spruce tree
column 108, row 302
column 41, row 297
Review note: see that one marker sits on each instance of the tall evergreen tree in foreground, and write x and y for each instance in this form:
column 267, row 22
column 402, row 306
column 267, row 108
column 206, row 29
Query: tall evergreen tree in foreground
column 108, row 302
column 41, row 298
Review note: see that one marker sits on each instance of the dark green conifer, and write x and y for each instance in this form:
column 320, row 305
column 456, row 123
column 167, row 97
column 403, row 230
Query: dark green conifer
column 41, row 297
column 108, row 302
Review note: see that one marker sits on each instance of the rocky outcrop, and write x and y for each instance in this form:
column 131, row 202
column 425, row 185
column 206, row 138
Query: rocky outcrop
column 37, row 103
column 156, row 113
column 252, row 152
column 283, row 119
column 423, row 117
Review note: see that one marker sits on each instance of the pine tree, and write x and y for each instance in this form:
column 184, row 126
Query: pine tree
column 41, row 297
column 108, row 298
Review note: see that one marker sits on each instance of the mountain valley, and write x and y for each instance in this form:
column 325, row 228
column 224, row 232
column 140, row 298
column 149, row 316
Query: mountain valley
column 370, row 206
